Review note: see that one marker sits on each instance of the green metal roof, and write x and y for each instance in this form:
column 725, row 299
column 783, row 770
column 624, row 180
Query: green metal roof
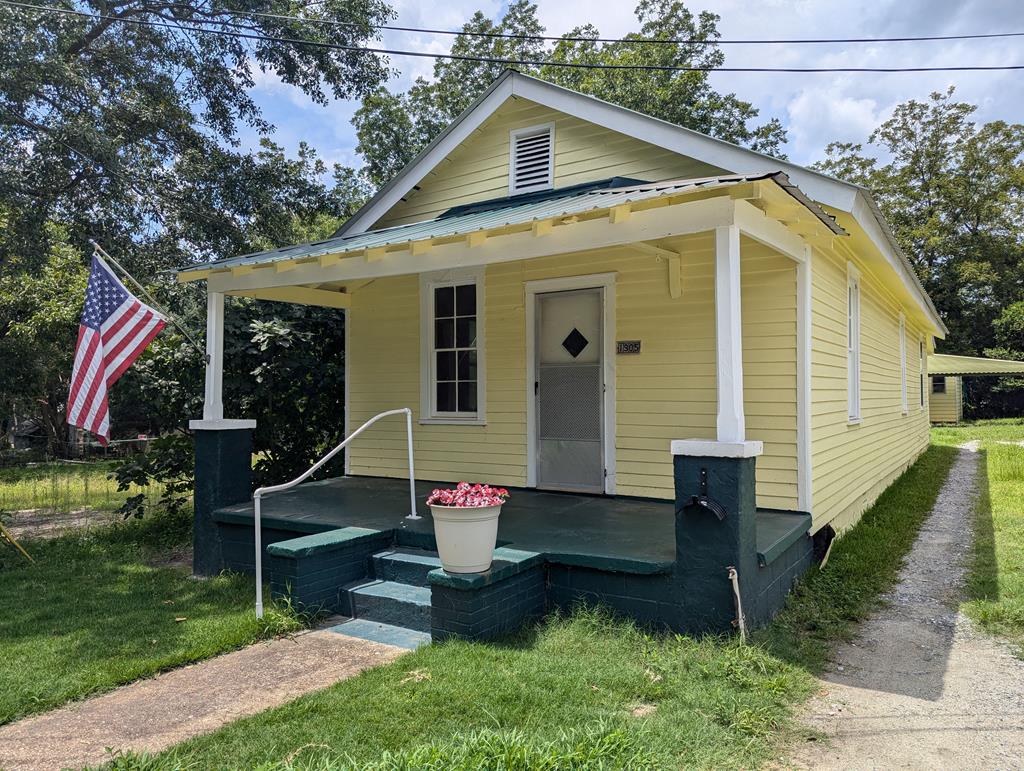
column 947, row 364
column 510, row 211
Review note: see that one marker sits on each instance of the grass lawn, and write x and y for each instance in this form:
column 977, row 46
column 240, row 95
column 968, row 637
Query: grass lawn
column 97, row 610
column 996, row 580
column 62, row 487
column 587, row 690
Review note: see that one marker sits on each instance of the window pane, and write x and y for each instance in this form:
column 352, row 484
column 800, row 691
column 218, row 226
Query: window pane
column 467, row 365
column 444, row 333
column 465, row 300
column 446, row 397
column 465, row 333
column 467, row 397
column 445, row 365
column 444, row 301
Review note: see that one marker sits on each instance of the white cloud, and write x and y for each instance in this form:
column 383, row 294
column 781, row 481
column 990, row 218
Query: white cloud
column 815, row 108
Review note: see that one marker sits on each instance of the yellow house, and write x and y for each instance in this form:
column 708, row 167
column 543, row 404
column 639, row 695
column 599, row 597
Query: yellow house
column 569, row 295
column 947, row 400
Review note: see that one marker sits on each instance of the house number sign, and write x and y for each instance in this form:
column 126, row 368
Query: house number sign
column 626, row 347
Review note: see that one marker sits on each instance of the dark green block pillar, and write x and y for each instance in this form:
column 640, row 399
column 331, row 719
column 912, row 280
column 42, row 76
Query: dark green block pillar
column 706, row 546
column 223, row 477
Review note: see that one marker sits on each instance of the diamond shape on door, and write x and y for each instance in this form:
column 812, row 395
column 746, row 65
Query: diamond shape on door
column 575, row 342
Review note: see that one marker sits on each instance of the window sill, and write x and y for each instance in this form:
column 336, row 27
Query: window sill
column 453, row 421
column 854, row 421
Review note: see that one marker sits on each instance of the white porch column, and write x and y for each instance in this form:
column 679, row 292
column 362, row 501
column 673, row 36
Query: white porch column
column 728, row 335
column 213, row 405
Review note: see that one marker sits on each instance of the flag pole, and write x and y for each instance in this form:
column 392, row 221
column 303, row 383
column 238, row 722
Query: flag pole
column 171, row 318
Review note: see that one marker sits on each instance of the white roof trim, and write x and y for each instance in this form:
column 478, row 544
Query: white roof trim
column 843, row 196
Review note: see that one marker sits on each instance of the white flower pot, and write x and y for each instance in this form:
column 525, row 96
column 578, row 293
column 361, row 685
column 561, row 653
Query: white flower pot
column 466, row 536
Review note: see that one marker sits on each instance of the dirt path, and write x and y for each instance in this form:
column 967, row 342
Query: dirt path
column 151, row 715
column 920, row 686
column 42, row 523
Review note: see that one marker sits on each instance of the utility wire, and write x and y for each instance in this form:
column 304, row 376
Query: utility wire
column 645, row 41
column 497, row 60
column 583, row 39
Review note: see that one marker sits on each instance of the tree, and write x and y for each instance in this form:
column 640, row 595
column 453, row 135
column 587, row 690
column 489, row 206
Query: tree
column 122, row 125
column 393, row 128
column 953, row 191
column 109, row 123
column 38, row 321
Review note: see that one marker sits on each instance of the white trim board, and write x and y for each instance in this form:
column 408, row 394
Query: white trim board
column 606, row 282
column 835, row 193
column 710, row 448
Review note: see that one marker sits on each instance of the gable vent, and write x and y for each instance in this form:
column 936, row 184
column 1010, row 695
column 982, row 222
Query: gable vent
column 532, row 166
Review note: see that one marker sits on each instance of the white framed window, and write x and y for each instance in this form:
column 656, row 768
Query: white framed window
column 903, row 364
column 531, row 159
column 453, row 388
column 853, row 342
column 921, row 371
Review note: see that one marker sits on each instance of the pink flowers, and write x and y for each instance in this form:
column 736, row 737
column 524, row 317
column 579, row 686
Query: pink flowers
column 466, row 495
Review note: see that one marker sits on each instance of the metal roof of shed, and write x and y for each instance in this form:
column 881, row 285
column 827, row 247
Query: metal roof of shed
column 509, row 212
column 948, row 364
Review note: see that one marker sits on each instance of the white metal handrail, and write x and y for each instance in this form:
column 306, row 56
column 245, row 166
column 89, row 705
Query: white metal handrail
column 260, row 492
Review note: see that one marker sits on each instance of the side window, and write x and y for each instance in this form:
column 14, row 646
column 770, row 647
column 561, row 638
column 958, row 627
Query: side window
column 920, row 369
column 853, row 342
column 903, row 364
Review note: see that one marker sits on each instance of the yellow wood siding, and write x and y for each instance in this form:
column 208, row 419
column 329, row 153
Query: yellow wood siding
column 853, row 463
column 947, row 407
column 667, row 392
column 478, row 169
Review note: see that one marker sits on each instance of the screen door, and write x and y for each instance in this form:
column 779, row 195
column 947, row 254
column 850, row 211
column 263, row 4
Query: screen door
column 570, row 391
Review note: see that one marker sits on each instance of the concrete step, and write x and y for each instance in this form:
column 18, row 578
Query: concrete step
column 389, row 602
column 398, row 636
column 405, row 566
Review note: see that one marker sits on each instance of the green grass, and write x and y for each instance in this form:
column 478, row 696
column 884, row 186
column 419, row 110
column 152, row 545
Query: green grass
column 95, row 611
column 996, row 579
column 62, row 487
column 865, row 562
column 661, row 700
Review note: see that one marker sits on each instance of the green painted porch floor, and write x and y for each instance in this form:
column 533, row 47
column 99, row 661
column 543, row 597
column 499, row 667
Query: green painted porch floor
column 621, row 534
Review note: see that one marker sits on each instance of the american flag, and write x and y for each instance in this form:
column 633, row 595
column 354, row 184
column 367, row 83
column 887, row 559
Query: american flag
column 114, row 330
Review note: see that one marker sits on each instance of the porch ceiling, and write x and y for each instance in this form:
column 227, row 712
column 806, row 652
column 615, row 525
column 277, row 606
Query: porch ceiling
column 476, row 227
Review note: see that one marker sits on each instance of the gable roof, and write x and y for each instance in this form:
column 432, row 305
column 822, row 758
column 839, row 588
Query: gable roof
column 843, row 196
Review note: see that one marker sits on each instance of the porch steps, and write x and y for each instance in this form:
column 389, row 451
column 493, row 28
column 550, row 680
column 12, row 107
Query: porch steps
column 405, row 566
column 388, row 634
column 390, row 602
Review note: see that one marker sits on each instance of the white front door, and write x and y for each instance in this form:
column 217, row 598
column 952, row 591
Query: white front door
column 569, row 390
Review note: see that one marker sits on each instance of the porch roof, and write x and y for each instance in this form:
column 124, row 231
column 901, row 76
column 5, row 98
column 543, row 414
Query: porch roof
column 948, row 364
column 509, row 212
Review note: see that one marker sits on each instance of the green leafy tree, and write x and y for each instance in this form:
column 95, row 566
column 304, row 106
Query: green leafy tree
column 38, row 324
column 127, row 131
column 953, row 190
column 392, row 128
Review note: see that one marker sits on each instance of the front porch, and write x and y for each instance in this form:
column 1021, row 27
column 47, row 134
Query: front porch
column 345, row 545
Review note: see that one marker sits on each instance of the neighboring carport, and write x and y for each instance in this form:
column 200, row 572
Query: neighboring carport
column 947, row 372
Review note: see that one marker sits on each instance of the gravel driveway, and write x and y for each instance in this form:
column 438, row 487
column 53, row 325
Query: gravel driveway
column 921, row 686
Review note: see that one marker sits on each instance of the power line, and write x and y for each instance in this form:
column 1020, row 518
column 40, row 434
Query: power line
column 645, row 41
column 497, row 60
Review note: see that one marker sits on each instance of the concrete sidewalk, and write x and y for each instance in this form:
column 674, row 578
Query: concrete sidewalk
column 151, row 715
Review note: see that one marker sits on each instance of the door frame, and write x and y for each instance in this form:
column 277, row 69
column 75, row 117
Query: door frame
column 605, row 282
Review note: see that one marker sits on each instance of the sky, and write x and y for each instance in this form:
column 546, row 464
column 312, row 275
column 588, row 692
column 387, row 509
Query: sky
column 814, row 108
